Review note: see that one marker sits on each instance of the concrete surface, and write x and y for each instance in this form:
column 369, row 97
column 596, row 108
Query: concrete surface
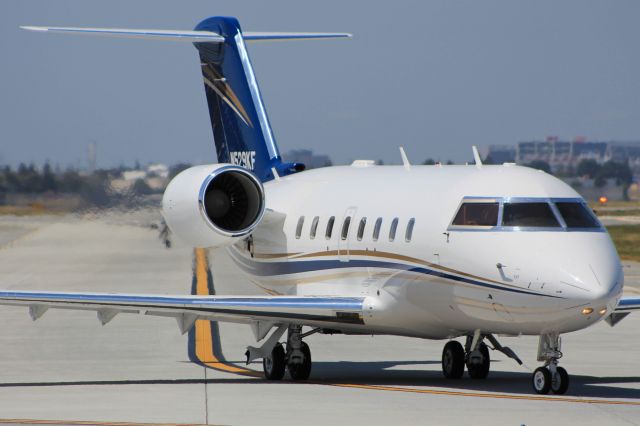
column 67, row 367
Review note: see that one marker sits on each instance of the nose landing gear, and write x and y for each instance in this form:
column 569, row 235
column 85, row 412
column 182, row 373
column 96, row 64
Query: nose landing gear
column 550, row 377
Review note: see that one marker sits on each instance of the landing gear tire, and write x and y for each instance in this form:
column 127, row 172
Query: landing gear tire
column 541, row 380
column 274, row 364
column 481, row 370
column 301, row 371
column 453, row 360
column 560, row 381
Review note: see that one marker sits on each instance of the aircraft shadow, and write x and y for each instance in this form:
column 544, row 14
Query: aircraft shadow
column 378, row 373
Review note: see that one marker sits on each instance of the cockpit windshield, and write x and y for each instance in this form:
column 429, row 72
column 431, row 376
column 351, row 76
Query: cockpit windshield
column 537, row 215
column 525, row 214
column 477, row 214
column 577, row 215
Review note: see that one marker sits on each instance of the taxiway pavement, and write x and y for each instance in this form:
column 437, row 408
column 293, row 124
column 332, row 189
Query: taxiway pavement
column 67, row 367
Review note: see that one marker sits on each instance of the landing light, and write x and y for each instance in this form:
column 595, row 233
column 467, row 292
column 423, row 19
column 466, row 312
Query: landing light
column 602, row 311
column 587, row 311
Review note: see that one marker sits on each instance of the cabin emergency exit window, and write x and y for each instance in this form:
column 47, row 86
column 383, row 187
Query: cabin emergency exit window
column 529, row 215
column 363, row 224
column 299, row 227
column 376, row 229
column 329, row 230
column 345, row 227
column 392, row 229
column 409, row 232
column 314, row 227
column 477, row 214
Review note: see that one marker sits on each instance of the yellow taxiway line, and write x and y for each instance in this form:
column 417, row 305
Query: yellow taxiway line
column 205, row 353
column 204, row 341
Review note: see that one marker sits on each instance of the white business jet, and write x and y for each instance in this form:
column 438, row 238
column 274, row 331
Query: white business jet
column 433, row 252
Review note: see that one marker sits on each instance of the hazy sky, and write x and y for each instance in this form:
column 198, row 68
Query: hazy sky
column 434, row 76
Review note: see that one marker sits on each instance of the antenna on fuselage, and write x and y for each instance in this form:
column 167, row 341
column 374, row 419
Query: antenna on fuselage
column 476, row 156
column 405, row 160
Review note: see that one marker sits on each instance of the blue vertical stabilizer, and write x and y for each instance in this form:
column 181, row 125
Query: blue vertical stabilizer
column 241, row 128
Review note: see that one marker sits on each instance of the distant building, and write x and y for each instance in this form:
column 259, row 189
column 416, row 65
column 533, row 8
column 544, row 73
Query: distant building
column 132, row 175
column 564, row 156
column 158, row 170
column 308, row 158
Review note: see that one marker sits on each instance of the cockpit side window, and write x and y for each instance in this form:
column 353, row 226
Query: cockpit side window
column 577, row 215
column 538, row 215
column 477, row 214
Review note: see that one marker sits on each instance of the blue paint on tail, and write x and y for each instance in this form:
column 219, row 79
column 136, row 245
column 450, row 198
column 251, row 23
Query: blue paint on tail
column 241, row 129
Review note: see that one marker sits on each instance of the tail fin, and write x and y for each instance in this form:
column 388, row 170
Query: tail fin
column 241, row 129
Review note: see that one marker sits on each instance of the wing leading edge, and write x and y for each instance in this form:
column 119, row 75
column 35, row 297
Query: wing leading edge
column 309, row 310
column 626, row 305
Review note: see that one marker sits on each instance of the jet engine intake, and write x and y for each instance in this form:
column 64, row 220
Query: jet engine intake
column 213, row 205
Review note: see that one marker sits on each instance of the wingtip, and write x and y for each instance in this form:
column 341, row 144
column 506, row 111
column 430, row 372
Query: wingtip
column 32, row 28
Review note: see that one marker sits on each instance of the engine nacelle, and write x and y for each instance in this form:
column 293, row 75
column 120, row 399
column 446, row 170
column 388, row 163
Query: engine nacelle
column 213, row 205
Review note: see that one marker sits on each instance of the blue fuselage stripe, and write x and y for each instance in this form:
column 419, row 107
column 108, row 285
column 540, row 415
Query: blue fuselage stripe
column 265, row 269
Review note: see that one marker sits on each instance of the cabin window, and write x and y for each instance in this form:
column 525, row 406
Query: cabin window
column 314, row 227
column 299, row 227
column 392, row 230
column 345, row 227
column 409, row 232
column 477, row 214
column 376, row 229
column 363, row 224
column 329, row 231
column 577, row 215
column 538, row 215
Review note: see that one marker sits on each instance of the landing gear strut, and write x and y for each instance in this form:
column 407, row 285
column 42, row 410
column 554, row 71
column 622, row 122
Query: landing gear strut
column 474, row 354
column 296, row 358
column 298, row 355
column 550, row 377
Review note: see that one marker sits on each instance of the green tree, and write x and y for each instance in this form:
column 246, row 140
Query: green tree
column 140, row 187
column 540, row 165
column 588, row 168
column 48, row 180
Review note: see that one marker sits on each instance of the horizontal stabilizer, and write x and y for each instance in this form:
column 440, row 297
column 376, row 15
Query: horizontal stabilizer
column 190, row 36
column 257, row 36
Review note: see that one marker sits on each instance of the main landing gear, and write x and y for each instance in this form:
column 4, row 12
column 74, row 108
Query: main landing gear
column 296, row 359
column 550, row 377
column 474, row 355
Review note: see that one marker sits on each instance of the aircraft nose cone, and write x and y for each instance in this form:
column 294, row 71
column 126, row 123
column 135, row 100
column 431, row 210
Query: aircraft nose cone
column 607, row 279
column 594, row 268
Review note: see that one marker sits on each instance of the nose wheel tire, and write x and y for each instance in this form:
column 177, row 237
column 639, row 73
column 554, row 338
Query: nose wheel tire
column 560, row 381
column 453, row 360
column 480, row 370
column 274, row 364
column 541, row 380
column 301, row 371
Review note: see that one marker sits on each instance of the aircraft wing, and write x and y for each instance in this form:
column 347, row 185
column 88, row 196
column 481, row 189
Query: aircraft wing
column 626, row 305
column 330, row 312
